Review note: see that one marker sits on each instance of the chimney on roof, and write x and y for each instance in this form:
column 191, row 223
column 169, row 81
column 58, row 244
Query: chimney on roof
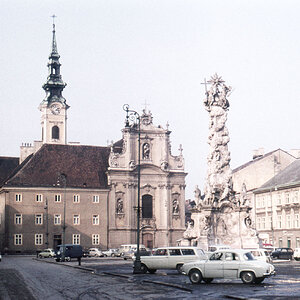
column 258, row 153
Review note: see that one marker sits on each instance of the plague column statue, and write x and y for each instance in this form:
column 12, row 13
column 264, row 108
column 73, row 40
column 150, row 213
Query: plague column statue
column 217, row 217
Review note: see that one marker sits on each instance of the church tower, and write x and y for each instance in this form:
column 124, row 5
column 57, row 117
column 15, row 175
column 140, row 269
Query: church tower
column 54, row 107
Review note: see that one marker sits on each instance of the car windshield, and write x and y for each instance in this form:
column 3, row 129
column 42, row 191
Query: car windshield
column 248, row 256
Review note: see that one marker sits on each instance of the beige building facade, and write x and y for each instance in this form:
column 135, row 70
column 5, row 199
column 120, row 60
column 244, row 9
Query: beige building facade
column 270, row 184
column 63, row 192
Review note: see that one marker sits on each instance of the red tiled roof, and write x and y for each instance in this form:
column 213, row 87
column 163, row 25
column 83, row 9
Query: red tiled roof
column 84, row 167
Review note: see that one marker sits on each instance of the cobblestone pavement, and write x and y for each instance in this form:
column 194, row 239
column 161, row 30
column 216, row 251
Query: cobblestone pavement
column 106, row 278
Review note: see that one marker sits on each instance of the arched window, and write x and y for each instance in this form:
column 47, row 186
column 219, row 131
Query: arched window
column 147, row 206
column 55, row 133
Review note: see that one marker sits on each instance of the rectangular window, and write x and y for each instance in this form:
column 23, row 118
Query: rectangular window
column 57, row 198
column 280, row 243
column 296, row 221
column 38, row 239
column 279, row 222
column 96, row 239
column 57, row 219
column 287, row 198
column 263, row 222
column 288, row 221
column 18, row 238
column 39, row 198
column 297, row 242
column 278, row 199
column 270, row 218
column 76, row 198
column 296, row 200
column 76, row 219
column 38, row 219
column 96, row 199
column 95, row 219
column 18, row 197
column 263, row 201
column 18, row 219
column 76, row 239
column 258, row 223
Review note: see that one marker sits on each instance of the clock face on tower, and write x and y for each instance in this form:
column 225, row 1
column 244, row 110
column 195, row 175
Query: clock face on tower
column 55, row 109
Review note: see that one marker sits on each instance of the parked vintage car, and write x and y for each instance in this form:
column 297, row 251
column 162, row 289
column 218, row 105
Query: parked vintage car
column 297, row 254
column 231, row 264
column 71, row 251
column 282, row 253
column 261, row 254
column 214, row 248
column 170, row 258
column 95, row 252
column 110, row 252
column 46, row 253
column 127, row 251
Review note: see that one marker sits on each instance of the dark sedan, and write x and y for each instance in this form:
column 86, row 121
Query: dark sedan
column 282, row 253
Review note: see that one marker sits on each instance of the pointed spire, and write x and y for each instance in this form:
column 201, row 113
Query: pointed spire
column 54, row 85
column 54, row 45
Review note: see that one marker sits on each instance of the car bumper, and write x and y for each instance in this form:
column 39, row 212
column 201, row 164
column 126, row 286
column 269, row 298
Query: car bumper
column 272, row 273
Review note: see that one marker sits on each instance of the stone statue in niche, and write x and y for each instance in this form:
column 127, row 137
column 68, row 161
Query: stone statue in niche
column 175, row 209
column 146, row 151
column 120, row 206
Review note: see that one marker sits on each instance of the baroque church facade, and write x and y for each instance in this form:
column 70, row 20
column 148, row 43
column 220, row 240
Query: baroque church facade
column 61, row 192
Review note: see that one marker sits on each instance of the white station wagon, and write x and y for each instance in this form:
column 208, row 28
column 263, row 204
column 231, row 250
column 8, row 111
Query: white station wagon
column 170, row 258
column 232, row 264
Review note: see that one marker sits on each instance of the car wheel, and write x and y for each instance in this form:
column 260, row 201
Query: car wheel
column 152, row 271
column 179, row 268
column 248, row 277
column 259, row 280
column 208, row 280
column 67, row 258
column 144, row 268
column 195, row 276
column 57, row 260
column 112, row 255
column 40, row 256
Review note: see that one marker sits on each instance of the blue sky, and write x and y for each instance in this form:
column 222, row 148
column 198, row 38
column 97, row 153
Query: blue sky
column 129, row 51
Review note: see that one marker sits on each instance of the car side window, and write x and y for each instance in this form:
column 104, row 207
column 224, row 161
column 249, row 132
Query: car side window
column 216, row 256
column 231, row 256
column 174, row 252
column 160, row 252
column 187, row 252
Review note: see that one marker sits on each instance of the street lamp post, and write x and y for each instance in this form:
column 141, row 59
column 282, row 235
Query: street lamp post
column 63, row 178
column 47, row 227
column 135, row 118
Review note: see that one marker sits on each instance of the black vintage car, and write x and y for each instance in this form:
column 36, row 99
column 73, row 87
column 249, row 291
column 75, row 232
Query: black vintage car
column 282, row 253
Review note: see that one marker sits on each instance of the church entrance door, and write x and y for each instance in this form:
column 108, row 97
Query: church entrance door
column 148, row 240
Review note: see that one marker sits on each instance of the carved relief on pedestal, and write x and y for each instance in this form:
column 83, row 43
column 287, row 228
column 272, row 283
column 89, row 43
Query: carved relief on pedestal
column 114, row 160
column 164, row 166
